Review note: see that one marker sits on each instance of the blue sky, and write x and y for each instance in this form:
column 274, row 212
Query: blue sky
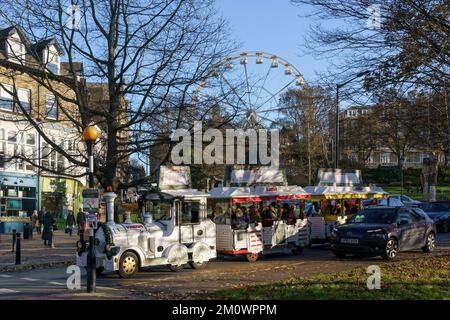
column 274, row 26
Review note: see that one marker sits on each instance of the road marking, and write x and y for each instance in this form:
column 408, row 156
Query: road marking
column 8, row 291
column 5, row 276
column 56, row 283
column 29, row 279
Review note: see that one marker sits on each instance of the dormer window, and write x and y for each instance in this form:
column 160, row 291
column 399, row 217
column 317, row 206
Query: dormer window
column 15, row 48
column 51, row 59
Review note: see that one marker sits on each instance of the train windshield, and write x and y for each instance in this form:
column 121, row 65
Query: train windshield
column 160, row 210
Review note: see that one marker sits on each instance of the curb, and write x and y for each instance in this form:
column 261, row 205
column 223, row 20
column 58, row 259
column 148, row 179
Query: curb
column 26, row 267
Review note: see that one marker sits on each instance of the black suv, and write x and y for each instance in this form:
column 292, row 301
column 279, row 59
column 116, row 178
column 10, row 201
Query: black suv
column 439, row 211
column 384, row 231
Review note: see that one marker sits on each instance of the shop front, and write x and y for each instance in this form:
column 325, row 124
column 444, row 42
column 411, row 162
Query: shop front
column 60, row 195
column 18, row 199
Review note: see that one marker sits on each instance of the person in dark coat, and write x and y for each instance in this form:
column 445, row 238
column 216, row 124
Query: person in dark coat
column 81, row 220
column 47, row 234
column 70, row 221
column 41, row 214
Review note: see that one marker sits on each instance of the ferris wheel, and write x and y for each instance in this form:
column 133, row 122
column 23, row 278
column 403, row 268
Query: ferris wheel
column 248, row 88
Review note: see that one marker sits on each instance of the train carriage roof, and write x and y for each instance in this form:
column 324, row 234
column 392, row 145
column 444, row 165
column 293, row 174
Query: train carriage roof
column 258, row 193
column 346, row 192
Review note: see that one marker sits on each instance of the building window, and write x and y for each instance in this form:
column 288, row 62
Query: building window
column 24, row 96
column 6, row 99
column 51, row 107
column 31, row 139
column 45, row 155
column 12, row 136
column 20, row 153
column 2, row 154
column 16, row 50
column 53, row 68
column 425, row 156
column 385, row 158
column 30, row 153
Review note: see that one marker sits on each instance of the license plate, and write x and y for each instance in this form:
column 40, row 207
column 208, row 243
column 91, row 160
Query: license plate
column 349, row 240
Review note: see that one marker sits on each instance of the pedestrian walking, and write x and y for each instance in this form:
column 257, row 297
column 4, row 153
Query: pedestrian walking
column 41, row 214
column 70, row 221
column 47, row 233
column 81, row 221
column 34, row 221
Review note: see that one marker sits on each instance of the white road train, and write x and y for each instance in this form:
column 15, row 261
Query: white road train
column 177, row 230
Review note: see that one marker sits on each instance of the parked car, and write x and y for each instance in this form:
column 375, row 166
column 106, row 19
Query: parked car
column 384, row 231
column 440, row 213
column 405, row 199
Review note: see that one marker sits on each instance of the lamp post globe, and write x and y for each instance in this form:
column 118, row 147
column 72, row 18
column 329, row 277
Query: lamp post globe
column 90, row 133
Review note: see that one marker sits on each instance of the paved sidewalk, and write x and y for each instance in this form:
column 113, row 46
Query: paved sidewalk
column 35, row 255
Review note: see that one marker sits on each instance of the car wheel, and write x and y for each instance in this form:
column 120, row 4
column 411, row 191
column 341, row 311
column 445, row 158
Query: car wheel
column 391, row 249
column 339, row 254
column 128, row 265
column 431, row 243
column 198, row 265
column 251, row 257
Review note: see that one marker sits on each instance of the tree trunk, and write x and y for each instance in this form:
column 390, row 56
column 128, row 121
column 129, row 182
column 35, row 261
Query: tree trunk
column 429, row 179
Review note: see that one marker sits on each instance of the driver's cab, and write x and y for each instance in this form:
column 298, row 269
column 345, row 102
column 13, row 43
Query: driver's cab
column 191, row 219
column 181, row 216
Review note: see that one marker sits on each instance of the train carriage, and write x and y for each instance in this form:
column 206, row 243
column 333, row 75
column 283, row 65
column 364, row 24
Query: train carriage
column 255, row 239
column 335, row 188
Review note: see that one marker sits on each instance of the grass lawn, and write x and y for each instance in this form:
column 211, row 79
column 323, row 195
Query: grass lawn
column 443, row 192
column 424, row 278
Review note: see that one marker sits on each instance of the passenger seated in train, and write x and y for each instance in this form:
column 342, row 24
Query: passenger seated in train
column 238, row 220
column 288, row 214
column 245, row 214
column 255, row 215
column 314, row 210
column 268, row 216
column 219, row 217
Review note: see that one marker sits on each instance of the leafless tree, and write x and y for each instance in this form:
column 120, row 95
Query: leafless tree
column 403, row 43
column 306, row 132
column 149, row 55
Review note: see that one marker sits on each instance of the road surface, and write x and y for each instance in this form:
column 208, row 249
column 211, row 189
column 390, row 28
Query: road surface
column 159, row 283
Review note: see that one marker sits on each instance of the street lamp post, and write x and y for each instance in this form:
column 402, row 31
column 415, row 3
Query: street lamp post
column 402, row 161
column 90, row 135
column 336, row 119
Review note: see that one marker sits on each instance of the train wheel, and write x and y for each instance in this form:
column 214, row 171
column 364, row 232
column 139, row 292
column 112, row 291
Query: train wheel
column 251, row 257
column 175, row 268
column 198, row 265
column 128, row 265
column 297, row 250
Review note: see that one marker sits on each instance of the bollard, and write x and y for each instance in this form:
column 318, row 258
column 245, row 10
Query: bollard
column 18, row 260
column 13, row 239
column 91, row 264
